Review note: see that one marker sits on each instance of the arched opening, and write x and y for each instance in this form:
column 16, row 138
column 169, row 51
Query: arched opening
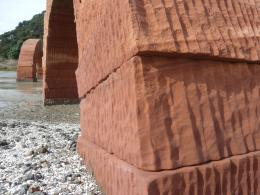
column 60, row 53
column 30, row 61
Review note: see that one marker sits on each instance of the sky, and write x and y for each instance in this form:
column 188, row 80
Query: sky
column 14, row 11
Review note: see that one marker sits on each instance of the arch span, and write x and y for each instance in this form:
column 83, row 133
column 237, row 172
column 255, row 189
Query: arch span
column 29, row 65
column 60, row 53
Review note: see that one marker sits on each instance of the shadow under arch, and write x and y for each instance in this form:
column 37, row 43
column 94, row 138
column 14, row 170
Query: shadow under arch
column 60, row 58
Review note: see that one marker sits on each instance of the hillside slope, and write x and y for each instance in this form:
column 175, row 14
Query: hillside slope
column 11, row 42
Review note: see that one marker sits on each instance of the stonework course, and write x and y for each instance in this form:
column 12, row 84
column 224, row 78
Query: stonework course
column 169, row 91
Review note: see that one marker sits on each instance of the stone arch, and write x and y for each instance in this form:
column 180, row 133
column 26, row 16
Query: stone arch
column 60, row 59
column 30, row 61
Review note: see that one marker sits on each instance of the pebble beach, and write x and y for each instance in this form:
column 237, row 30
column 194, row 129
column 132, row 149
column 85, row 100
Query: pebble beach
column 38, row 144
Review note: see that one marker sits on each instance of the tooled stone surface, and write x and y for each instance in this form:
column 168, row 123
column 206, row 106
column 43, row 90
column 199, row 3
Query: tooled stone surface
column 235, row 175
column 112, row 31
column 30, row 56
column 60, row 52
column 160, row 113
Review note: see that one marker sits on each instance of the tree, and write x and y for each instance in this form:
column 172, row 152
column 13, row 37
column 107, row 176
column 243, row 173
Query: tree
column 11, row 42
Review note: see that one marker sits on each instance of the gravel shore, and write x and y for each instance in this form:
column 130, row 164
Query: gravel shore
column 41, row 158
column 38, row 145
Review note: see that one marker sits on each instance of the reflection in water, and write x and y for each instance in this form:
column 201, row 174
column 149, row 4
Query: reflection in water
column 12, row 92
column 29, row 87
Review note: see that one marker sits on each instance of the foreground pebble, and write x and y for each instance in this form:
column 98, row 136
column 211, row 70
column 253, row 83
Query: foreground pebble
column 40, row 158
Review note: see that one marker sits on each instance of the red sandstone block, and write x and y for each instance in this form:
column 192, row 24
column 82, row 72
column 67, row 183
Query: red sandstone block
column 235, row 175
column 163, row 113
column 112, row 31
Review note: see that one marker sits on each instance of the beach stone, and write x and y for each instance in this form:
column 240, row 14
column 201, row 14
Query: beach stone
column 55, row 192
column 30, row 153
column 23, row 189
column 13, row 125
column 38, row 176
column 17, row 138
column 28, row 176
column 38, row 193
column 42, row 150
column 34, row 188
column 4, row 143
column 3, row 124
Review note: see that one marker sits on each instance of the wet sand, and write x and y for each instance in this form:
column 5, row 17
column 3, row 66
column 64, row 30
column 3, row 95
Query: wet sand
column 23, row 100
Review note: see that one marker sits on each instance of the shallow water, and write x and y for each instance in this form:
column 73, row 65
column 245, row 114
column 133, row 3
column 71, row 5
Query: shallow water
column 12, row 92
column 23, row 100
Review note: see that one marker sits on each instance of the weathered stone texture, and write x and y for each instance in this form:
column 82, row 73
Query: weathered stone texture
column 163, row 113
column 169, row 91
column 111, row 32
column 232, row 176
column 61, row 52
column 30, row 58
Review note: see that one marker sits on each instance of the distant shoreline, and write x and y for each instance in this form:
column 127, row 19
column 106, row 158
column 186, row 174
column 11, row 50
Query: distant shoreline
column 8, row 65
column 7, row 68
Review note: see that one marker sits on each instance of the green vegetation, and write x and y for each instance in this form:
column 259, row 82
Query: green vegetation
column 11, row 42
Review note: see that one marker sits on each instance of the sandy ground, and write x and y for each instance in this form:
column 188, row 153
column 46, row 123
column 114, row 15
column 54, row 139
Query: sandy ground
column 37, row 143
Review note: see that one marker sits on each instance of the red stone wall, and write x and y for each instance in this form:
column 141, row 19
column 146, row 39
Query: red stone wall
column 112, row 32
column 169, row 92
column 166, row 113
column 174, row 126
column 236, row 175
column 29, row 59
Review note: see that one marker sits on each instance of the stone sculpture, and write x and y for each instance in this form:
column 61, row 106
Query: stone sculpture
column 169, row 92
column 29, row 67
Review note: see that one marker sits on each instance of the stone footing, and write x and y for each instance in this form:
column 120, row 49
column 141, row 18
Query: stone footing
column 236, row 175
column 62, row 101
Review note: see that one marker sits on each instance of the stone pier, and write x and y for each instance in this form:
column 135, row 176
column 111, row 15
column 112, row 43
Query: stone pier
column 60, row 53
column 169, row 92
